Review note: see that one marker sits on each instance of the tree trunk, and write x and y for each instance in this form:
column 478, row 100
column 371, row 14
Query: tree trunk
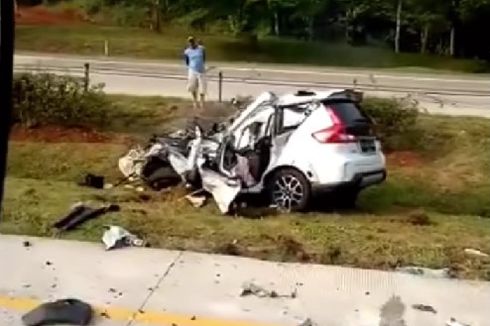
column 158, row 20
column 276, row 23
column 424, row 37
column 398, row 26
column 452, row 41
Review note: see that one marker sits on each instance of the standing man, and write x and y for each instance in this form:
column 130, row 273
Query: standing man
column 195, row 60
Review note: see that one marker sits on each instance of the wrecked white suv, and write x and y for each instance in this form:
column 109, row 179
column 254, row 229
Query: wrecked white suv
column 288, row 148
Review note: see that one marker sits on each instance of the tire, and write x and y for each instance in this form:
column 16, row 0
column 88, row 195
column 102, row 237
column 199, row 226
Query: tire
column 290, row 190
column 163, row 177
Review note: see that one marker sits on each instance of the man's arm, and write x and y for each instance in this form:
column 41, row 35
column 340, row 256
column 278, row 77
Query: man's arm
column 186, row 58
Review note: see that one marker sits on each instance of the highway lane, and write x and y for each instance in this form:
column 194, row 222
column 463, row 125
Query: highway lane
column 455, row 94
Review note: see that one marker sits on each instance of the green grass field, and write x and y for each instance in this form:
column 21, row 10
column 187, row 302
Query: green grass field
column 435, row 203
column 132, row 42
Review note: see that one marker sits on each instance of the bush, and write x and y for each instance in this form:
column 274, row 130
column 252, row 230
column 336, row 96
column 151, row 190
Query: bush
column 395, row 120
column 41, row 99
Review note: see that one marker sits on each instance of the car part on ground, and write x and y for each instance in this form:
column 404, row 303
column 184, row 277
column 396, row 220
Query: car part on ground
column 117, row 237
column 289, row 148
column 66, row 311
column 81, row 213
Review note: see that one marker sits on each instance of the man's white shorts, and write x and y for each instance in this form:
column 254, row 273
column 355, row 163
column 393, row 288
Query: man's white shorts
column 196, row 82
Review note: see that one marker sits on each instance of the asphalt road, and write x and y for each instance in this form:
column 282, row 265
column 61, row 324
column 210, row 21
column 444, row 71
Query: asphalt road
column 454, row 94
column 145, row 287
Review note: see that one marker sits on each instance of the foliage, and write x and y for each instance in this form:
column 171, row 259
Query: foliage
column 435, row 26
column 41, row 99
column 395, row 120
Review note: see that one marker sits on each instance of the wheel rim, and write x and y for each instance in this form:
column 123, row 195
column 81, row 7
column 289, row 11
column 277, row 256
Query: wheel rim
column 288, row 192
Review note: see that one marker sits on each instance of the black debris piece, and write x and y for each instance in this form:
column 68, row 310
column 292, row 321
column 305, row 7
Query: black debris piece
column 423, row 307
column 105, row 315
column 258, row 291
column 93, row 181
column 81, row 213
column 27, row 244
column 66, row 311
column 48, row 263
column 193, row 318
column 112, row 290
column 307, row 322
column 367, row 293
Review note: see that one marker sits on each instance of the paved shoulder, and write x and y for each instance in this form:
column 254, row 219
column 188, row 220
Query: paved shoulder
column 158, row 287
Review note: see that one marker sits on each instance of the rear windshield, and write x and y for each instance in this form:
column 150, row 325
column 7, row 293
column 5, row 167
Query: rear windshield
column 348, row 112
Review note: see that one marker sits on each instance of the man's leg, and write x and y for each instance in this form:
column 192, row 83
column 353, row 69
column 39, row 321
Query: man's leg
column 202, row 90
column 195, row 100
column 192, row 87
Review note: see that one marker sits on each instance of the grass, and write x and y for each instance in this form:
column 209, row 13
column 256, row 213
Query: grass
column 432, row 207
column 133, row 42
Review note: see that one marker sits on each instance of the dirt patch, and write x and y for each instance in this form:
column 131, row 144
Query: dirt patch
column 40, row 15
column 57, row 134
column 405, row 159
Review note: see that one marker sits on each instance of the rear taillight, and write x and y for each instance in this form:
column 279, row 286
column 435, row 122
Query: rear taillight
column 334, row 134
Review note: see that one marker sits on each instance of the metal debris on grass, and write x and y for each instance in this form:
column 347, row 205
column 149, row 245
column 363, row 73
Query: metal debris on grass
column 476, row 253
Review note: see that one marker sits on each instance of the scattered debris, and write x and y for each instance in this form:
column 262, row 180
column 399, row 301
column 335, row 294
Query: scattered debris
column 454, row 322
column 66, row 311
column 117, row 237
column 367, row 293
column 112, row 290
column 81, row 213
column 93, row 181
column 108, row 186
column 427, row 272
column 104, row 314
column 476, row 252
column 27, row 244
column 26, row 286
column 250, row 288
column 193, row 318
column 423, row 307
column 48, row 263
column 307, row 322
column 196, row 201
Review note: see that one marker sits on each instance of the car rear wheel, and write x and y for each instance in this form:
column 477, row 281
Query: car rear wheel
column 290, row 190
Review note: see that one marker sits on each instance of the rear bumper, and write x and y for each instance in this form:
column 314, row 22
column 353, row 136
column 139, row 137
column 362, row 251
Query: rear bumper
column 359, row 181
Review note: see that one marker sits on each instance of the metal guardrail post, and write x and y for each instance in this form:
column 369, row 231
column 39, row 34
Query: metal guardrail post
column 86, row 79
column 220, row 86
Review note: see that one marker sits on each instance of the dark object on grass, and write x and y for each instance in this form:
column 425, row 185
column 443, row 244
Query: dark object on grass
column 93, row 181
column 423, row 307
column 80, row 214
column 66, row 311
